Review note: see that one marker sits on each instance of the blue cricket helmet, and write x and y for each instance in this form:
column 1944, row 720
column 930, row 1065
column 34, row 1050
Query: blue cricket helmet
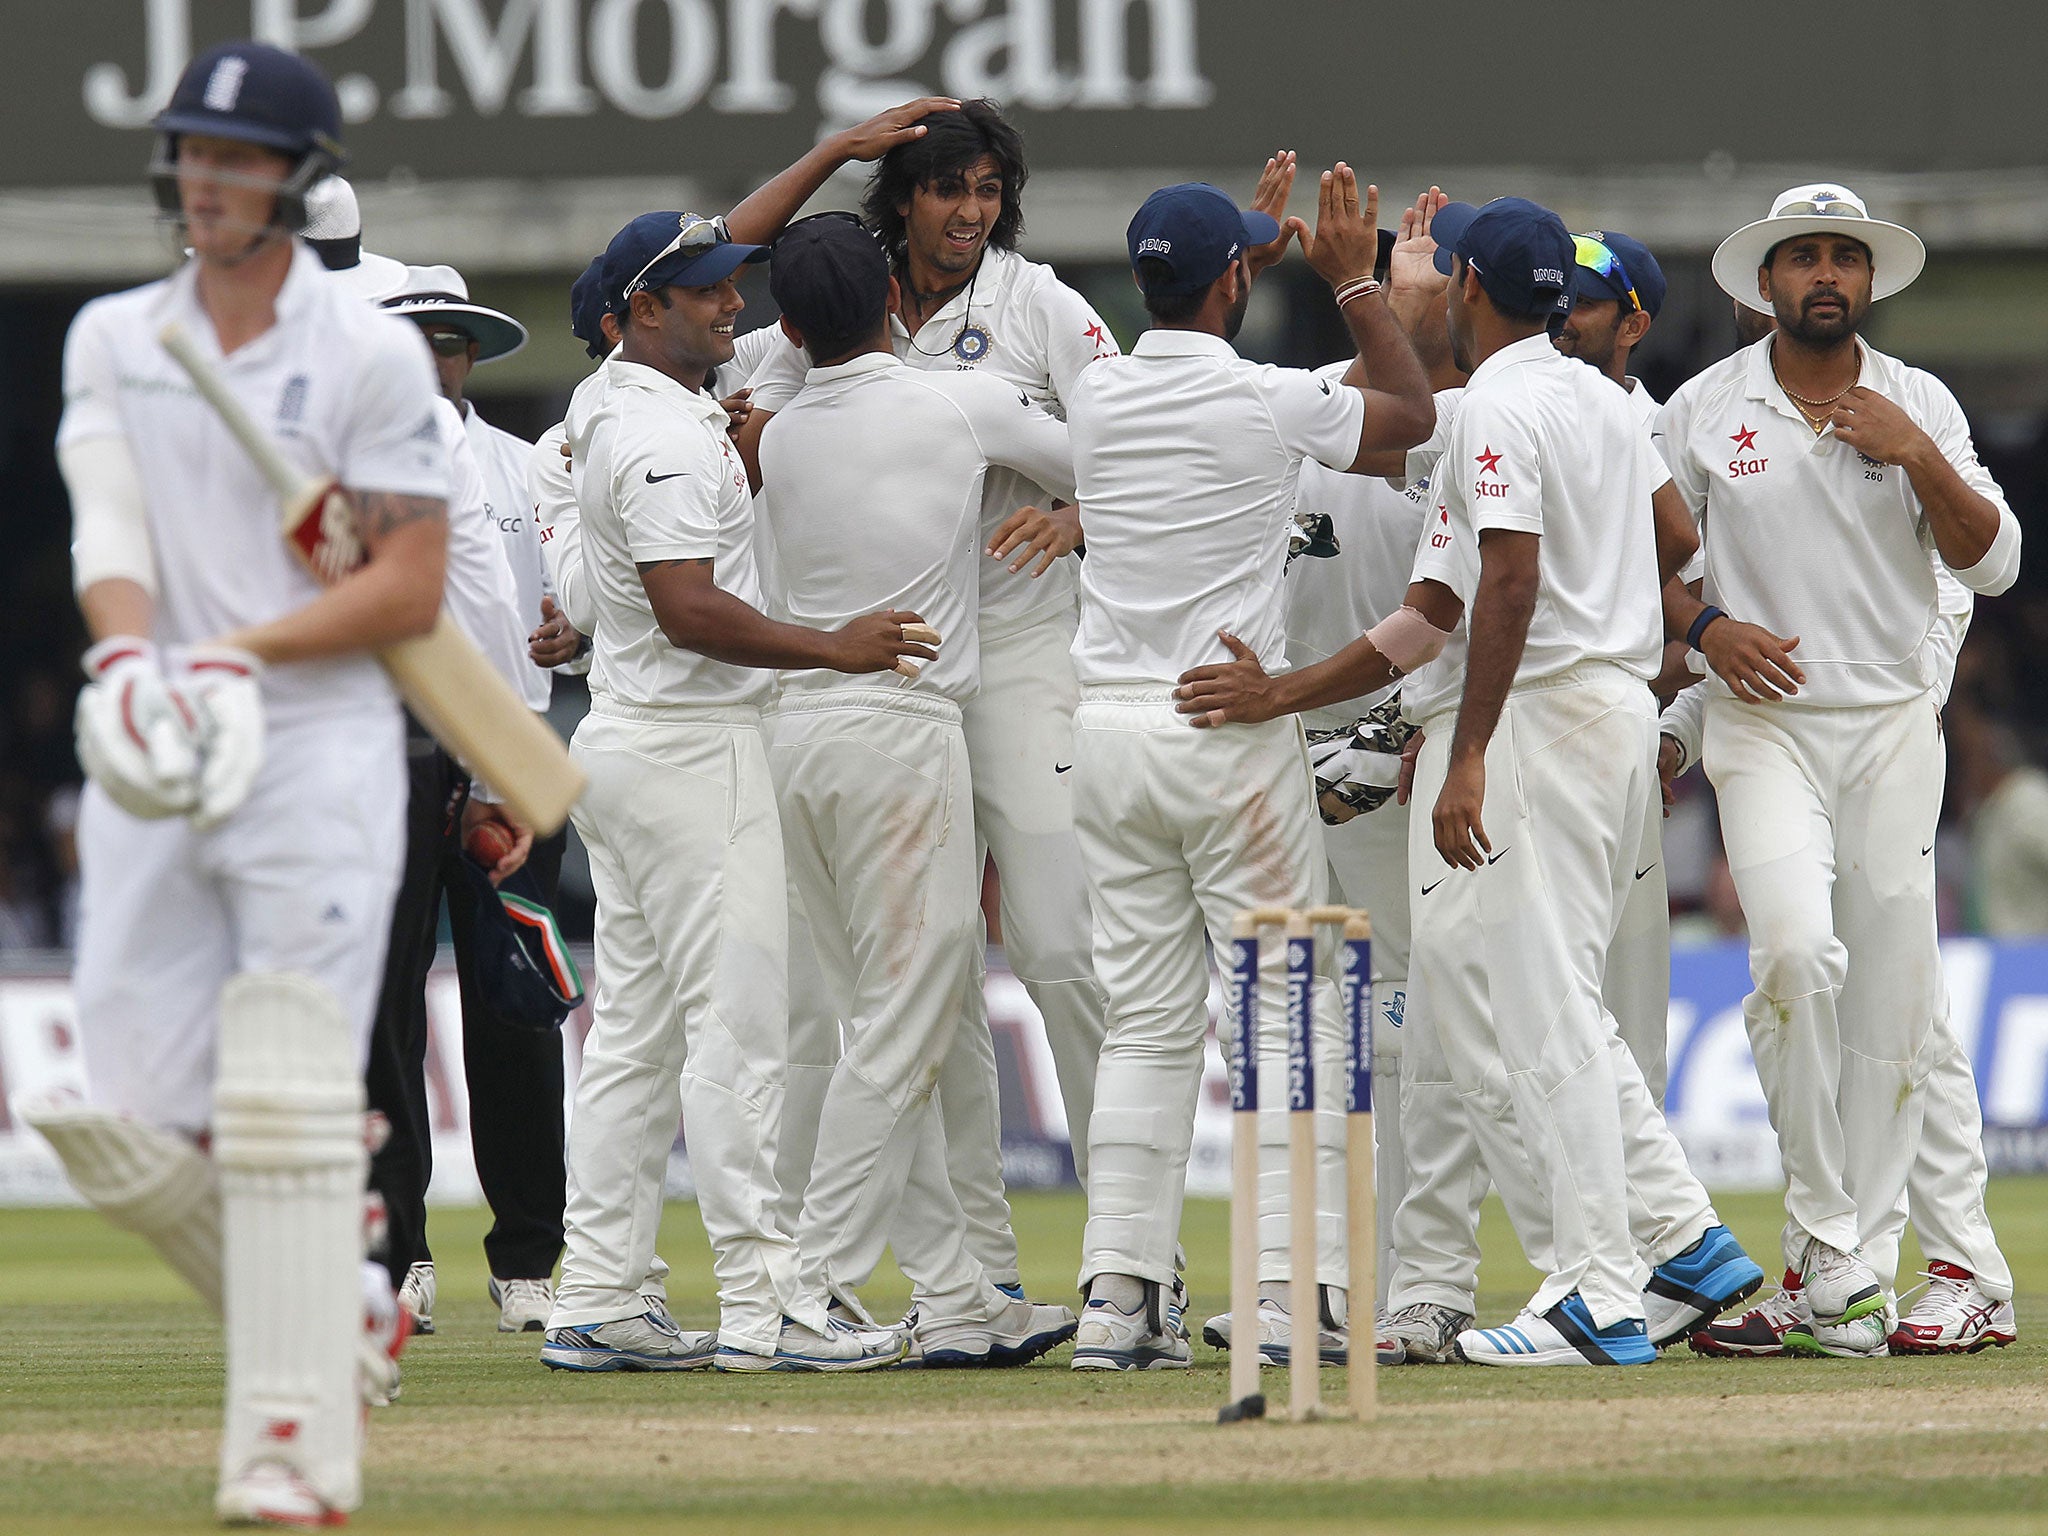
column 257, row 94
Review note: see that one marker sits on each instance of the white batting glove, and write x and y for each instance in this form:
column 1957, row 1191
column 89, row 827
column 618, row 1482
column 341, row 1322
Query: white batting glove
column 221, row 684
column 138, row 739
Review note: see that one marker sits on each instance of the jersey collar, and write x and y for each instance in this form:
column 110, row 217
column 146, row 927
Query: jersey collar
column 991, row 279
column 853, row 368
column 1530, row 349
column 696, row 402
column 303, row 284
column 1174, row 343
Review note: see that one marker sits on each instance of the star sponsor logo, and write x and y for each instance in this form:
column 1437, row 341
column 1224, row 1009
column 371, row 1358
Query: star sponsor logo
column 1489, row 464
column 1100, row 339
column 1488, row 461
column 1744, row 439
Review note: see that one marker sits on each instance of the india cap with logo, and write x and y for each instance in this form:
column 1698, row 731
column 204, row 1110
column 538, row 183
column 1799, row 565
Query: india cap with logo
column 1818, row 208
column 671, row 250
column 1197, row 231
column 1523, row 254
column 1615, row 266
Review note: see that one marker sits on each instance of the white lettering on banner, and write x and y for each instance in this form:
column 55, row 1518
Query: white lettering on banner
column 872, row 48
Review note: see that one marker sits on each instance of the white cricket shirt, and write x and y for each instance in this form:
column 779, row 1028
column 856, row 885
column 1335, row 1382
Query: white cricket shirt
column 347, row 391
column 872, row 494
column 1806, row 536
column 1018, row 321
column 1540, row 443
column 1330, row 603
column 503, row 458
column 657, row 478
column 1187, row 457
column 478, row 589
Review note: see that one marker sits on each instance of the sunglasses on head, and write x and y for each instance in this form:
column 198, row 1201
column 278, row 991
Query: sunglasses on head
column 693, row 239
column 1595, row 256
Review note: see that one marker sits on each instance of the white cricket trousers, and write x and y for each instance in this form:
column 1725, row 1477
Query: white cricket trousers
column 874, row 789
column 1181, row 829
column 1945, row 1189
column 1368, row 867
column 1510, row 959
column 690, row 1014
column 301, row 878
column 1828, row 819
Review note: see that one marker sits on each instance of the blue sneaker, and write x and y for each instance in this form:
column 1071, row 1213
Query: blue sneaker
column 1014, row 1290
column 644, row 1343
column 1688, row 1292
column 1564, row 1335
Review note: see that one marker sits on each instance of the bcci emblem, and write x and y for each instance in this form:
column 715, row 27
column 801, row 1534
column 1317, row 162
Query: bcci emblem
column 972, row 344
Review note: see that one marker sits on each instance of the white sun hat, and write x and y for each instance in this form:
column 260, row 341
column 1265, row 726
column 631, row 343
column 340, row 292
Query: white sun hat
column 439, row 293
column 1818, row 208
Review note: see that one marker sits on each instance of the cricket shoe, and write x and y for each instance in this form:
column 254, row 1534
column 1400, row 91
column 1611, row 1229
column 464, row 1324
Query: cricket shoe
column 270, row 1493
column 386, row 1327
column 523, row 1305
column 643, row 1343
column 1111, row 1339
column 1276, row 1335
column 1953, row 1316
column 1839, row 1286
column 1852, row 1338
column 841, row 1347
column 1759, row 1331
column 1423, row 1334
column 416, row 1295
column 1564, row 1335
column 1017, row 1335
column 1697, row 1286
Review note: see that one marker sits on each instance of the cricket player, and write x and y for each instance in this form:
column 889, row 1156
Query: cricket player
column 684, row 840
column 1818, row 465
column 872, row 775
column 1540, row 723
column 1187, row 459
column 949, row 209
column 241, row 834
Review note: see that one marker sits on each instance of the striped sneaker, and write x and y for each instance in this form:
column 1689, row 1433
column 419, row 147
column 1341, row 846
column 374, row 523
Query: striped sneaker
column 643, row 1343
column 1759, row 1331
column 1564, row 1335
column 1423, row 1334
column 1697, row 1286
column 1953, row 1316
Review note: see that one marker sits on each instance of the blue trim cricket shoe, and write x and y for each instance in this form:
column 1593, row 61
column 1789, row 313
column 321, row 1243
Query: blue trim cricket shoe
column 1689, row 1291
column 1564, row 1335
column 644, row 1343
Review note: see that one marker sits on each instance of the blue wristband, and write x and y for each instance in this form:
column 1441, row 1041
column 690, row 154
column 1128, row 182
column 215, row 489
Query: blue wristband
column 1699, row 625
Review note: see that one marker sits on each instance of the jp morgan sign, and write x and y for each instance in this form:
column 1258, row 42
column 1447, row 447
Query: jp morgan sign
column 610, row 87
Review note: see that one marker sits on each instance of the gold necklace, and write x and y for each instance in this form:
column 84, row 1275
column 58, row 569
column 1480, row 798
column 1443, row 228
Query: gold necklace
column 1819, row 423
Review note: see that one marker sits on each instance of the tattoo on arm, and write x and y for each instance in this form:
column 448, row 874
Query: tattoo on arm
column 382, row 513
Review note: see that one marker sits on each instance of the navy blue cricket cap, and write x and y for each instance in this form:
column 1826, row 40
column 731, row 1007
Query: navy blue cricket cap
column 1523, row 253
column 586, row 305
column 1197, row 230
column 258, row 94
column 665, row 250
column 830, row 277
column 1626, row 263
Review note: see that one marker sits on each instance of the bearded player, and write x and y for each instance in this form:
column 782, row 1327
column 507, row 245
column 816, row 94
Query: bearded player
column 241, row 834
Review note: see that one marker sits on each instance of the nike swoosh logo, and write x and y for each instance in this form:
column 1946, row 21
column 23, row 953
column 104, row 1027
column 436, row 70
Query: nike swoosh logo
column 654, row 479
column 1927, row 850
column 1428, row 888
column 1496, row 858
column 1642, row 872
column 1061, row 767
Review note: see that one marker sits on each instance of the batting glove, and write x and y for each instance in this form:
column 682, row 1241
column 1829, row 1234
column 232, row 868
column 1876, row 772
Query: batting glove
column 138, row 738
column 221, row 683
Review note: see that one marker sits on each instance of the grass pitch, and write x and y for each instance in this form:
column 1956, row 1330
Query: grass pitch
column 109, row 1411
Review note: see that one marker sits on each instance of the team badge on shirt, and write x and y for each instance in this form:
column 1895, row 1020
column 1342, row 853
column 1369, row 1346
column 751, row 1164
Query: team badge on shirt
column 972, row 344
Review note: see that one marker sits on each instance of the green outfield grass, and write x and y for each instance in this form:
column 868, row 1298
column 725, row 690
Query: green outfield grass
column 110, row 1399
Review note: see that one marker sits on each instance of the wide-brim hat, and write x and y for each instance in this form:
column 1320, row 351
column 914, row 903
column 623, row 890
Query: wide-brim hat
column 439, row 293
column 373, row 277
column 1819, row 208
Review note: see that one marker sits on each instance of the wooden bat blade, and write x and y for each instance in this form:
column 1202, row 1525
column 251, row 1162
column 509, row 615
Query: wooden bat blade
column 473, row 712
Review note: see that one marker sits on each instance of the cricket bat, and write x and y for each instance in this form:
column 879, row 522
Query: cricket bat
column 443, row 678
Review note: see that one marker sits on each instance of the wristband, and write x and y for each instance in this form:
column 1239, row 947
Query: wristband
column 1699, row 625
column 1357, row 288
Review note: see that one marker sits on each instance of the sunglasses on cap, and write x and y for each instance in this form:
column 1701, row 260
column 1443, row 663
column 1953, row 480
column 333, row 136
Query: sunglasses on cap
column 695, row 238
column 1595, row 256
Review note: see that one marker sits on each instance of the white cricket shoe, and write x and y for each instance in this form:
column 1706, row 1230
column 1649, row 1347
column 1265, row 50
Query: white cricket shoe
column 416, row 1295
column 1423, row 1334
column 1761, row 1330
column 1839, row 1286
column 1276, row 1336
column 841, row 1347
column 523, row 1305
column 1953, row 1316
column 1111, row 1339
column 386, row 1327
column 271, row 1493
column 1853, row 1338
column 643, row 1343
column 1564, row 1335
column 1017, row 1335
